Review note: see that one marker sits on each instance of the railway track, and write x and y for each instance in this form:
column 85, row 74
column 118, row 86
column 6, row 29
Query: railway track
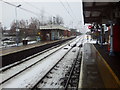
column 72, row 72
column 30, row 57
column 64, row 80
column 72, row 76
column 18, row 74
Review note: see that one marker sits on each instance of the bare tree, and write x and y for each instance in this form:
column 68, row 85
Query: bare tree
column 13, row 25
column 1, row 29
column 50, row 21
column 34, row 23
column 59, row 20
column 1, row 26
column 55, row 20
column 22, row 24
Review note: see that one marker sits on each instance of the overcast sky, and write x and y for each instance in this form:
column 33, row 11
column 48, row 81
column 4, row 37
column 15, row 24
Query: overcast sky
column 69, row 10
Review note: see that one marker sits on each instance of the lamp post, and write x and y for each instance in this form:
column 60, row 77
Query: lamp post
column 17, row 30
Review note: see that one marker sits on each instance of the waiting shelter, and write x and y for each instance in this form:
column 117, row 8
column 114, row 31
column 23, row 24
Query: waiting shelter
column 52, row 32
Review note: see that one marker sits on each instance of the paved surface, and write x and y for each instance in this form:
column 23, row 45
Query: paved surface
column 90, row 75
column 113, row 61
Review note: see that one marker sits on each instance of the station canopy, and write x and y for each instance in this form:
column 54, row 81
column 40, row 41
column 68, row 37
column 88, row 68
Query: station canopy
column 101, row 11
column 53, row 27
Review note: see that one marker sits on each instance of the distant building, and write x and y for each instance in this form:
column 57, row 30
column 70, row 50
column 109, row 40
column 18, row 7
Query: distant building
column 52, row 32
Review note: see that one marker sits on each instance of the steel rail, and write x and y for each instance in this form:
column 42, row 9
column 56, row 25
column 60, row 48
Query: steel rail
column 71, row 71
column 35, row 86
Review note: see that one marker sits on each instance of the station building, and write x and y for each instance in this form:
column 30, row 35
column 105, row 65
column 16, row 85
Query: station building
column 53, row 32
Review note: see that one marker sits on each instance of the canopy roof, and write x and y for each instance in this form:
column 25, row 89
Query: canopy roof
column 100, row 11
column 53, row 27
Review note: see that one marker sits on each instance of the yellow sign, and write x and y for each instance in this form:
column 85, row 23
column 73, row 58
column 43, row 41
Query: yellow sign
column 39, row 33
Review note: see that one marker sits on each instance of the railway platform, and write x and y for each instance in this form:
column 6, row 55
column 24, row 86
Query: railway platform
column 89, row 75
column 98, row 69
column 8, row 50
column 108, row 66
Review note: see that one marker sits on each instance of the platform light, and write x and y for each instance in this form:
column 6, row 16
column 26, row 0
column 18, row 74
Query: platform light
column 89, row 27
column 38, row 33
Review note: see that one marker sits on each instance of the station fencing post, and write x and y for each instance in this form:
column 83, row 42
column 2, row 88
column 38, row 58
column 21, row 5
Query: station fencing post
column 101, row 36
column 97, row 36
column 111, row 39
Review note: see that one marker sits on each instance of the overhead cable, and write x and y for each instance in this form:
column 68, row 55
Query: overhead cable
column 20, row 8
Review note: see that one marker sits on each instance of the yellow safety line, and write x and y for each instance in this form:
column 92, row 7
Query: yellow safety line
column 109, row 68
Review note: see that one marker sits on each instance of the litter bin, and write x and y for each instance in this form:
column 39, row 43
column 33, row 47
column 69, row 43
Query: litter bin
column 25, row 42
